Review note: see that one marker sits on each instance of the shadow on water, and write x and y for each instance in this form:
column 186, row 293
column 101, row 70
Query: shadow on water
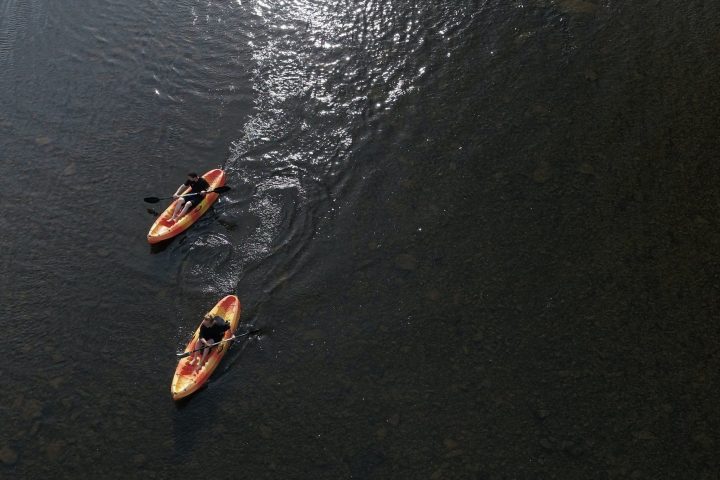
column 187, row 431
column 156, row 248
column 185, row 401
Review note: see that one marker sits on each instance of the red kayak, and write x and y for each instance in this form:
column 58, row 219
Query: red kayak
column 163, row 230
column 186, row 380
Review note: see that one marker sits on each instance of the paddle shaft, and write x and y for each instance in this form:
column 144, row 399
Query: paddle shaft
column 183, row 196
column 185, row 354
column 213, row 190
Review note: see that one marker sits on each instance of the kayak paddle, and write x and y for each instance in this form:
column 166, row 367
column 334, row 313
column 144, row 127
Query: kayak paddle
column 222, row 189
column 186, row 354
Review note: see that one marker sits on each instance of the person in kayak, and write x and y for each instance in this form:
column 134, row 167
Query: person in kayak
column 198, row 189
column 212, row 330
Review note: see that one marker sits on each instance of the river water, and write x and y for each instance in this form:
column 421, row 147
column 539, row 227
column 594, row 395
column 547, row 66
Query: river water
column 479, row 238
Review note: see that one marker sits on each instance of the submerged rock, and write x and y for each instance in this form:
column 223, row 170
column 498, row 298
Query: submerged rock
column 32, row 409
column 542, row 172
column 433, row 294
column 543, row 413
column 586, row 168
column 704, row 440
column 590, row 75
column 406, row 262
column 8, row 456
column 450, row 444
column 70, row 169
column 644, row 435
column 577, row 6
column 57, row 381
column 314, row 334
column 55, row 450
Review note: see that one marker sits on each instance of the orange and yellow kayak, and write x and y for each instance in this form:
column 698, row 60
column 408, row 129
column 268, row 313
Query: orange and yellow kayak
column 186, row 381
column 162, row 230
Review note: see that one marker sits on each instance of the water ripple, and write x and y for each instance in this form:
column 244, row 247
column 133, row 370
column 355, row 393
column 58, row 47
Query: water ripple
column 322, row 75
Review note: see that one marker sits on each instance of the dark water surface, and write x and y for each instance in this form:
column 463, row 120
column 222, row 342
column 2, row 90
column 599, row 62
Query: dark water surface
column 480, row 238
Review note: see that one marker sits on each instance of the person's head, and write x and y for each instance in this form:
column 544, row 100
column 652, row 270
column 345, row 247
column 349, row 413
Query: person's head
column 207, row 319
column 193, row 177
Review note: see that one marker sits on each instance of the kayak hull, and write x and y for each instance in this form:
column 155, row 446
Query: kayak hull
column 162, row 230
column 185, row 381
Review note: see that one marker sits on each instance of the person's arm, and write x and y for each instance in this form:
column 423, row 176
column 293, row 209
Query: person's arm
column 204, row 334
column 206, row 186
column 179, row 190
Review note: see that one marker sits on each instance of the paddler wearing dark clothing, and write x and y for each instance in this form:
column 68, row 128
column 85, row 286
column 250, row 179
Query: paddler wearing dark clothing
column 212, row 330
column 216, row 330
column 198, row 189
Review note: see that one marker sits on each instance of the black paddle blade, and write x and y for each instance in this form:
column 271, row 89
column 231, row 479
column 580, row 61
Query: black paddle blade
column 222, row 189
column 151, row 199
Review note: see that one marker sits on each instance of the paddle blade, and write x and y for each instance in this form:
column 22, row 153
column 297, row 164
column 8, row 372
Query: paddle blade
column 183, row 354
column 151, row 199
column 222, row 189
